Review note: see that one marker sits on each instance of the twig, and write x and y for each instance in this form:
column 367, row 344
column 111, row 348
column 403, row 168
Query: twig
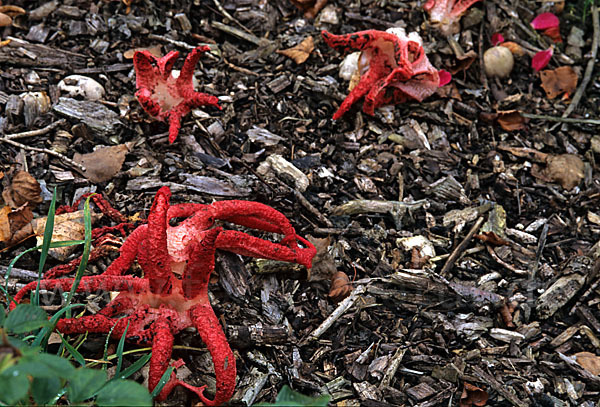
column 337, row 313
column 19, row 273
column 561, row 119
column 229, row 16
column 590, row 65
column 312, row 209
column 239, row 33
column 499, row 387
column 461, row 247
column 503, row 263
column 47, row 151
column 33, row 133
column 171, row 41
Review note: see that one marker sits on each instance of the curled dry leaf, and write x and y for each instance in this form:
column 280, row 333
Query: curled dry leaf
column 566, row 169
column 12, row 11
column 473, row 396
column 515, row 48
column 155, row 50
column 589, row 362
column 492, row 238
column 104, row 163
column 13, row 220
column 67, row 226
column 5, row 20
column 323, row 265
column 5, row 233
column 300, row 52
column 23, row 189
column 558, row 81
column 341, row 287
column 511, row 120
column 310, row 7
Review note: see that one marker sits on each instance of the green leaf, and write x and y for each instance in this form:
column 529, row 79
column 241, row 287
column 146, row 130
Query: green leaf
column 45, row 365
column 85, row 383
column 124, row 393
column 13, row 387
column 163, row 380
column 44, row 334
column 290, row 398
column 45, row 246
column 44, row 389
column 74, row 352
column 137, row 365
column 2, row 315
column 120, row 350
column 87, row 221
column 25, row 318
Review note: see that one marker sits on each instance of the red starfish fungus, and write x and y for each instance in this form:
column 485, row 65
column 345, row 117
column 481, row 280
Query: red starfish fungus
column 446, row 13
column 393, row 69
column 160, row 304
column 165, row 96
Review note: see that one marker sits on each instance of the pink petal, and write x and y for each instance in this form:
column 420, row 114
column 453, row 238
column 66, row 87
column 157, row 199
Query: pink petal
column 445, row 77
column 497, row 38
column 541, row 59
column 544, row 21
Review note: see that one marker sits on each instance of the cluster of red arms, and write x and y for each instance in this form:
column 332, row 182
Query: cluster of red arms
column 177, row 261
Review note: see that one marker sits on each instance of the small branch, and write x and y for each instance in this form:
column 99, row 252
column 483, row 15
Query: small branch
column 561, row 119
column 337, row 313
column 33, row 133
column 461, row 247
column 590, row 65
column 45, row 150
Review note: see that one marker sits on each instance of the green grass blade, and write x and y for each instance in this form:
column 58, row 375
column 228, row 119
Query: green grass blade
column 161, row 383
column 45, row 246
column 137, row 365
column 120, row 349
column 87, row 221
column 17, row 257
column 74, row 352
column 41, row 337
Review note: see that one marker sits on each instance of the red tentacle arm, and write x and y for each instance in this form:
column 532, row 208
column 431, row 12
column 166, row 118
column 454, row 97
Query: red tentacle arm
column 162, row 347
column 153, row 255
column 254, row 215
column 246, row 245
column 197, row 273
column 212, row 335
column 128, row 252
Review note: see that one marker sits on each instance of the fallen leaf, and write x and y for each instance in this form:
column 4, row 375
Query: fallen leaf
column 511, row 120
column 340, row 288
column 558, row 81
column 300, row 52
column 491, row 238
column 497, row 38
column 473, row 396
column 323, row 265
column 104, row 163
column 5, row 20
column 155, row 50
column 515, row 48
column 589, row 362
column 5, row 233
column 23, row 189
column 566, row 169
column 310, row 7
column 67, row 226
column 12, row 11
column 541, row 59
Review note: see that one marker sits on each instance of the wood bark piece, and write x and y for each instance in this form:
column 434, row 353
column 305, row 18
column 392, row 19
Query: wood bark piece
column 23, row 53
column 100, row 119
column 395, row 208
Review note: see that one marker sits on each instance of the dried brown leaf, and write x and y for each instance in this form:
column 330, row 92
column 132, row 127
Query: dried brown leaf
column 300, row 52
column 511, row 120
column 5, row 233
column 5, row 20
column 589, row 362
column 341, row 287
column 23, row 189
column 473, row 396
column 492, row 238
column 515, row 48
column 566, row 169
column 104, row 163
column 155, row 50
column 557, row 81
column 12, row 11
column 310, row 7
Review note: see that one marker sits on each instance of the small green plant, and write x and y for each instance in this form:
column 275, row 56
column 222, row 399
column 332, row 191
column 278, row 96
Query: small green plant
column 290, row 398
column 30, row 375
